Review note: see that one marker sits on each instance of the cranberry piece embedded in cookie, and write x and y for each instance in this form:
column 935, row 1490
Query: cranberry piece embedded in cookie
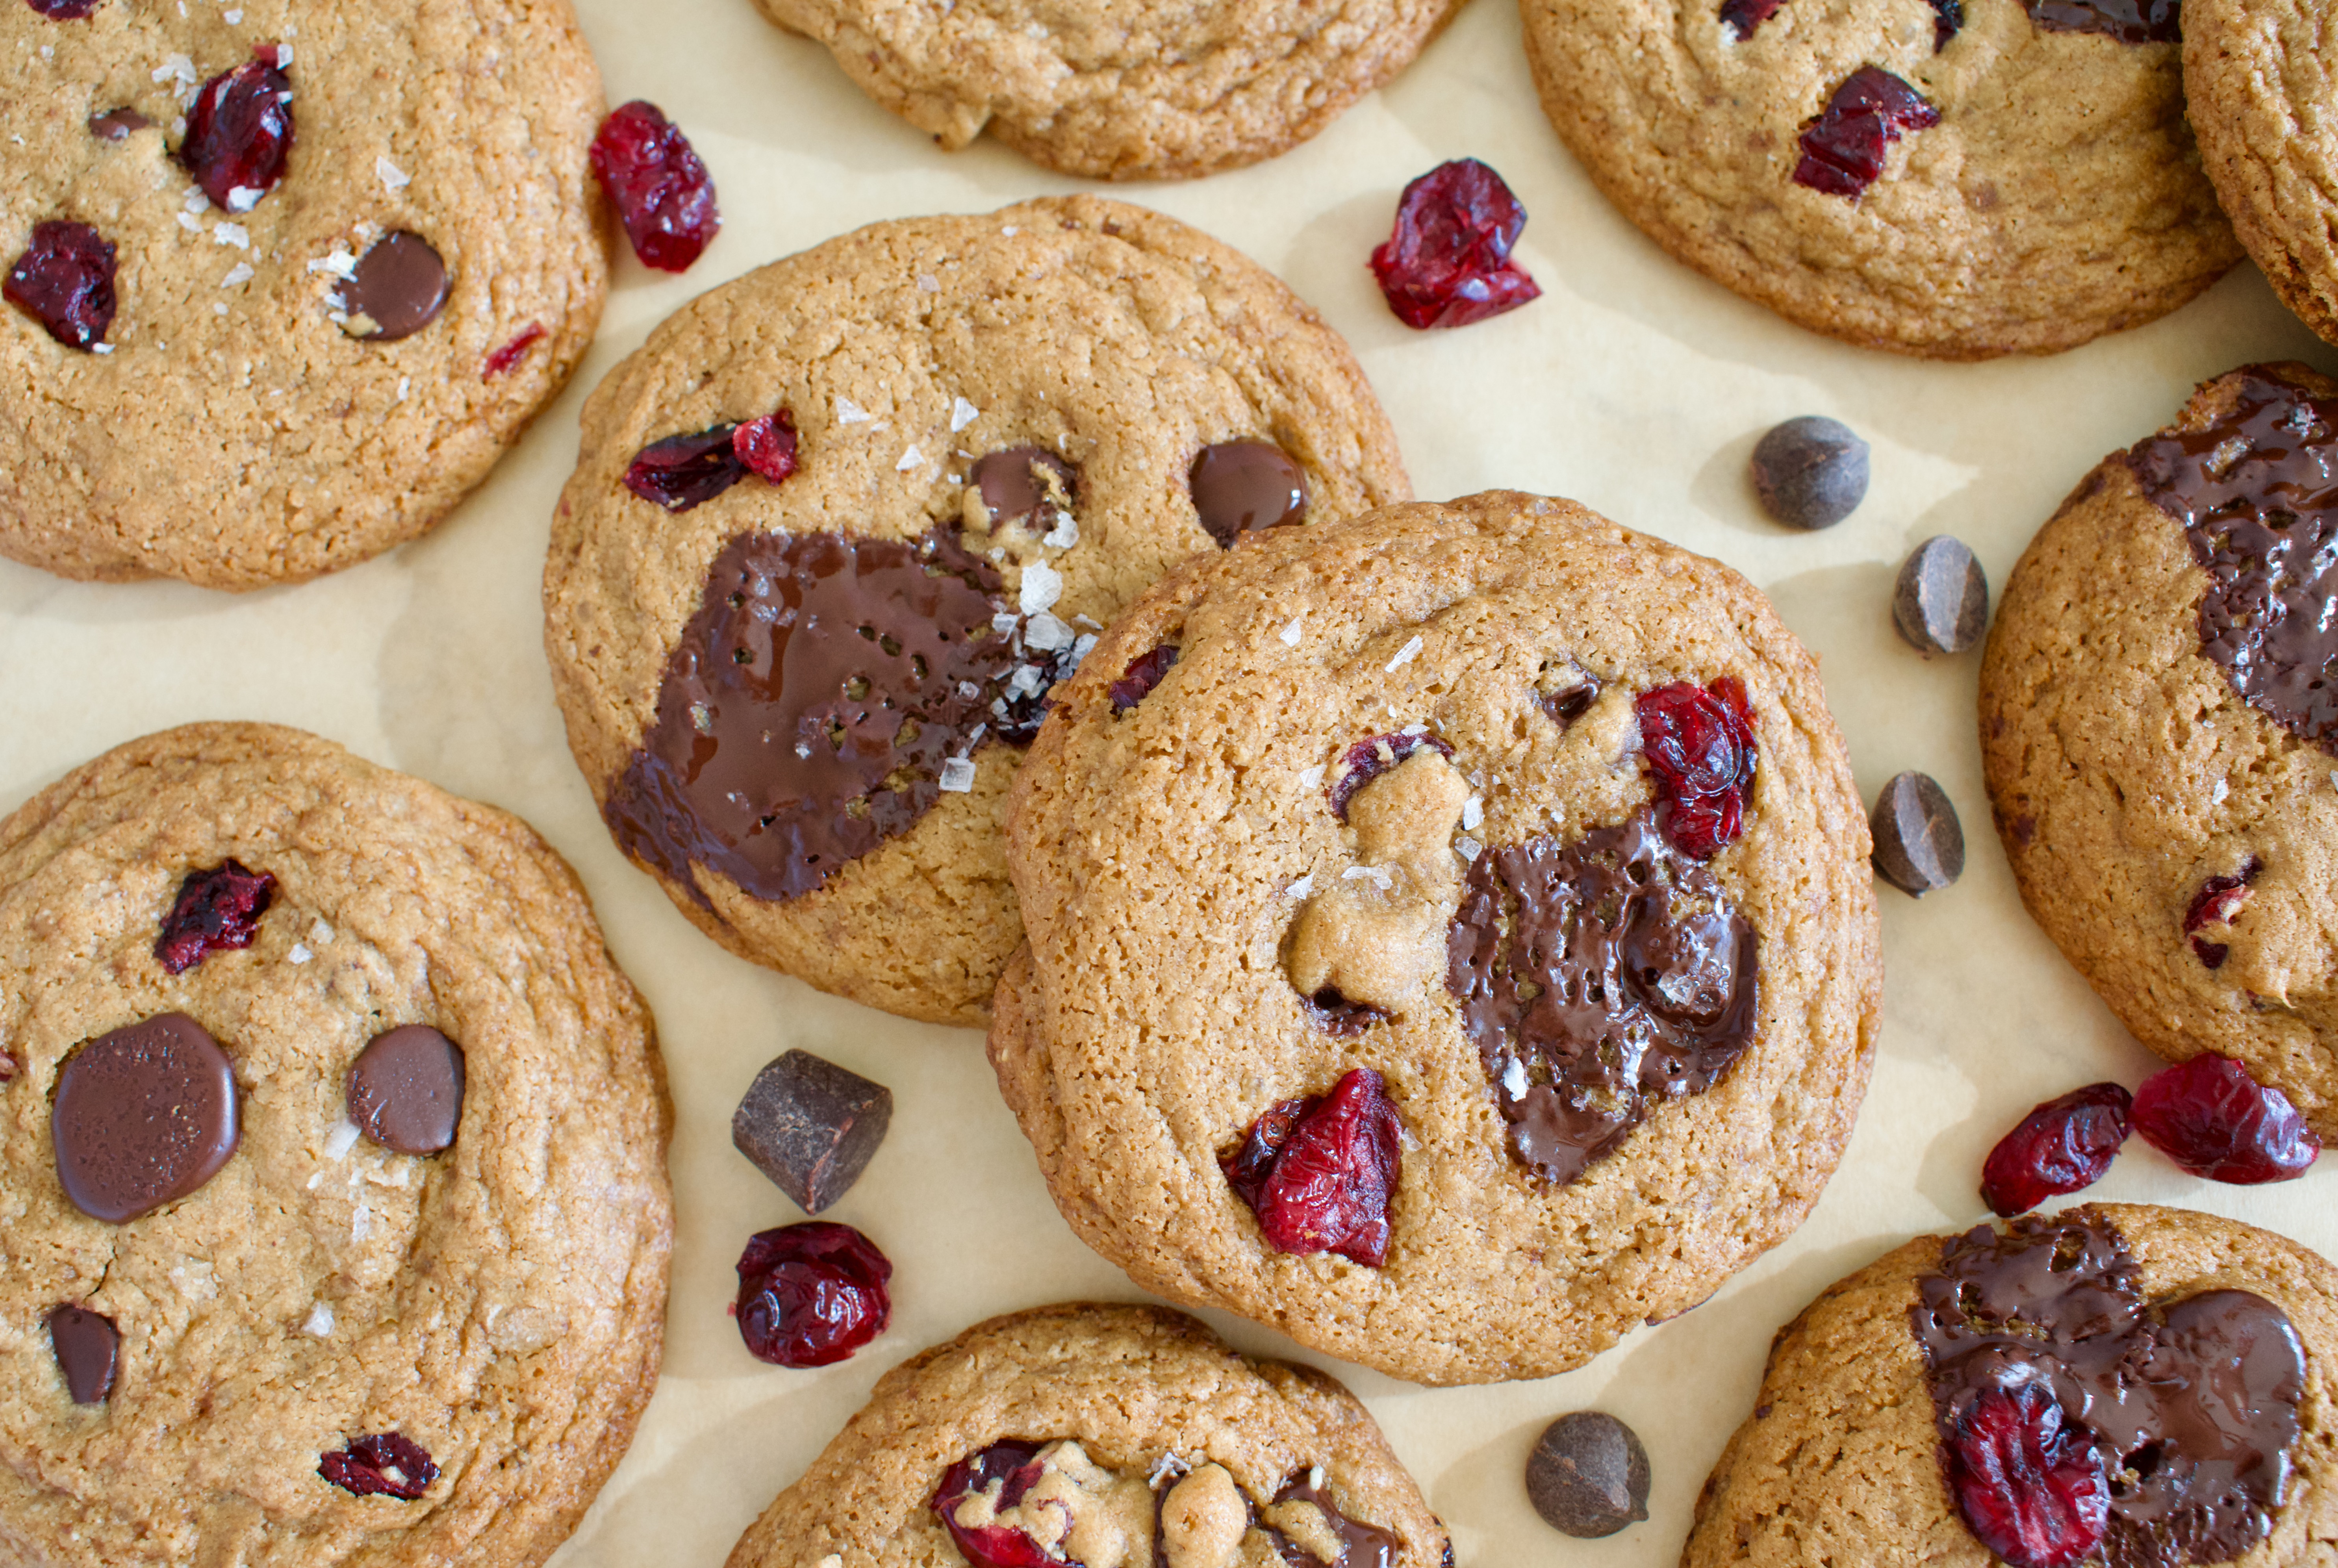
column 2030, row 1486
column 1947, row 21
column 511, row 353
column 2217, row 902
column 685, row 471
column 767, row 445
column 1014, row 1467
column 1319, row 1171
column 1372, row 755
column 661, row 189
column 239, row 132
column 1447, row 263
column 1143, row 673
column 1699, row 744
column 2128, row 21
column 2061, row 1146
column 1844, row 144
column 812, row 1294
column 2215, row 1120
column 215, row 909
column 62, row 10
column 1742, row 17
column 381, row 1464
column 64, row 280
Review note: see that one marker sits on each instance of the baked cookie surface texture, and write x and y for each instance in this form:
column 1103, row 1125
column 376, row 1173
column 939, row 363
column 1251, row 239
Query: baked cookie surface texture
column 2115, row 1383
column 337, row 1216
column 2159, row 730
column 800, row 699
column 1111, row 1436
column 283, row 278
column 1956, row 179
column 1450, row 936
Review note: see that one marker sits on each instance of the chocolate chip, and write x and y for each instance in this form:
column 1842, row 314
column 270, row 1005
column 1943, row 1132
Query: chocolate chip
column 1588, row 1476
column 144, row 1116
column 1941, row 601
column 398, row 287
column 811, row 1126
column 1920, row 848
column 116, row 126
column 87, row 1347
column 1810, row 473
column 1015, row 485
column 1242, row 486
column 404, row 1090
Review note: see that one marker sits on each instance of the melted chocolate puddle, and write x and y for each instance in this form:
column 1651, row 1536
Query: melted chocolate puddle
column 2191, row 1404
column 1594, row 978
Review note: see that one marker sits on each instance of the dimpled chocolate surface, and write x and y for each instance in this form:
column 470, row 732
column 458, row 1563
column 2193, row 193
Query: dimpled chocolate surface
column 1131, row 1385
column 499, row 1303
column 1185, row 878
column 142, row 1116
column 406, row 1090
column 1839, row 1460
column 942, row 374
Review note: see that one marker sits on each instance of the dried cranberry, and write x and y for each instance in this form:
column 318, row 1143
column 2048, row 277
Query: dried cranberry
column 64, row 280
column 1447, row 263
column 385, row 1464
column 1013, row 1466
column 1319, row 1171
column 767, row 445
column 215, row 909
column 2218, row 901
column 812, row 1294
column 2059, row 1147
column 1842, row 145
column 62, row 10
column 239, row 132
column 2209, row 1116
column 1143, row 673
column 1948, row 20
column 1742, row 17
column 684, row 471
column 509, row 355
column 1370, row 758
column 1699, row 744
column 662, row 191
column 2030, row 1486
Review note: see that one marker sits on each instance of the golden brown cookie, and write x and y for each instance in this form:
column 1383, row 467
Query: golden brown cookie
column 1959, row 179
column 2160, row 732
column 800, row 702
column 325, row 315
column 335, row 1169
column 1109, row 1437
column 1450, row 936
column 1885, row 1400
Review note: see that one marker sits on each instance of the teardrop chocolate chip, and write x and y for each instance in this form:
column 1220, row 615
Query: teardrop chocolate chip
column 406, row 1090
column 1244, row 486
column 144, row 1116
column 398, row 287
column 87, row 1347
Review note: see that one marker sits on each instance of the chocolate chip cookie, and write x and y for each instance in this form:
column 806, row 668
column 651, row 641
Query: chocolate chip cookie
column 335, row 1173
column 283, row 278
column 2115, row 1383
column 1108, row 1437
column 1121, row 89
column 2159, row 727
column 1450, row 936
column 839, row 525
column 1956, row 179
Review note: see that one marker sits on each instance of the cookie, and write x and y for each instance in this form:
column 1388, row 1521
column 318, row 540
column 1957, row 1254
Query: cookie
column 2160, row 739
column 1889, row 1401
column 1129, row 90
column 1110, row 1436
column 1450, row 936
column 2257, row 84
column 335, row 1169
column 1956, row 179
column 952, row 449
column 314, row 264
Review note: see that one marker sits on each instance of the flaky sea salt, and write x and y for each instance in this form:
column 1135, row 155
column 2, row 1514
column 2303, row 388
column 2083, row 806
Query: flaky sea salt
column 233, row 234
column 1469, row 848
column 320, row 1321
column 1047, row 633
column 848, row 412
column 1514, row 1079
column 958, row 776
column 341, row 264
column 1063, row 534
column 962, row 414
column 1406, row 654
column 342, row 1140
column 242, row 198
column 1290, row 633
column 1041, row 586
column 911, row 459
column 1004, row 623
column 361, row 1222
column 392, row 176
column 300, row 954
column 1473, row 811
column 176, row 68
column 1309, row 777
column 239, row 273
column 1300, row 888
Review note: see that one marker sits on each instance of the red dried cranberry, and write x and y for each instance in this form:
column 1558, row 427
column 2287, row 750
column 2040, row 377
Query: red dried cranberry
column 1948, row 20
column 2030, row 1486
column 215, row 909
column 1319, row 1171
column 1699, row 744
column 509, row 355
column 239, row 132
column 1014, row 1467
column 1370, row 758
column 2061, row 1146
column 661, row 189
column 1842, row 145
column 1143, row 673
column 767, row 445
column 2209, row 1116
column 62, row 10
column 1742, row 17
column 1447, row 263
column 64, row 280
column 812, row 1294
column 385, row 1464
column 684, row 471
column 2218, row 901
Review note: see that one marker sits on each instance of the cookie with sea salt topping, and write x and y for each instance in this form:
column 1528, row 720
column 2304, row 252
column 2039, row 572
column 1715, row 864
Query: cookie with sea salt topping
column 1451, row 940
column 837, row 528
column 334, row 1169
column 283, row 278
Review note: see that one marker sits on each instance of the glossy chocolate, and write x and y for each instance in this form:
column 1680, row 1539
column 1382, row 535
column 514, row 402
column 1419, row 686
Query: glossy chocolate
column 115, row 126
column 1242, row 486
column 2191, row 1404
column 144, row 1116
column 1024, row 486
column 1595, row 976
column 399, row 286
column 1361, row 1545
column 1370, row 758
column 88, row 1349
column 405, row 1091
column 2128, row 21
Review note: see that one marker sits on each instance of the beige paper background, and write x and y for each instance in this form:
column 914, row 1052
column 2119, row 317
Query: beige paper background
column 1634, row 385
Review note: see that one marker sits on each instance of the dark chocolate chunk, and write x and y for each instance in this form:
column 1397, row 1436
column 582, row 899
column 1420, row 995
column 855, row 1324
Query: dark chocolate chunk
column 1810, row 472
column 1919, row 847
column 811, row 1127
column 398, row 287
column 144, row 1116
column 1361, row 1545
column 115, row 126
column 1941, row 602
column 1242, row 486
column 1024, row 485
column 1588, row 1476
column 88, row 1347
column 1566, row 702
column 2128, row 21
column 405, row 1091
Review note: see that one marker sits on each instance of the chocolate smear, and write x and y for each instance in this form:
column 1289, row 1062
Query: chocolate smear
column 1024, row 486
